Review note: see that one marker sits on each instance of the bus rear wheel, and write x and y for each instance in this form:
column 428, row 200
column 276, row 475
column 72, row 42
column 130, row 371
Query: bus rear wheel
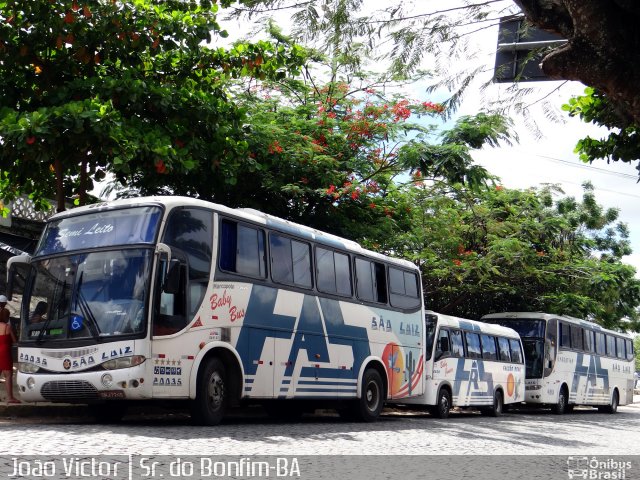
column 563, row 400
column 209, row 406
column 498, row 405
column 370, row 404
column 613, row 406
column 443, row 406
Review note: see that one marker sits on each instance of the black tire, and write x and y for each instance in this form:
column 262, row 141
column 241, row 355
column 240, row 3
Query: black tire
column 370, row 404
column 443, row 406
column 563, row 400
column 109, row 412
column 210, row 404
column 613, row 407
column 498, row 404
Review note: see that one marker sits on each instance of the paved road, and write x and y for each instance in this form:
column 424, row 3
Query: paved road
column 584, row 432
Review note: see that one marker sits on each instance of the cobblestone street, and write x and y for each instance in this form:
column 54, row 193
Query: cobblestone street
column 583, row 432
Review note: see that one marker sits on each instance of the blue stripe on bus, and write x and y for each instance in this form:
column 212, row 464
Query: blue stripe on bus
column 311, row 372
column 323, row 390
column 325, row 382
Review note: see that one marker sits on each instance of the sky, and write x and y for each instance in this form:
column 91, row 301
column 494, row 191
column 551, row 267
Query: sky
column 534, row 160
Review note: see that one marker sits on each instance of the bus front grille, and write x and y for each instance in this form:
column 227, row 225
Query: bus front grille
column 69, row 391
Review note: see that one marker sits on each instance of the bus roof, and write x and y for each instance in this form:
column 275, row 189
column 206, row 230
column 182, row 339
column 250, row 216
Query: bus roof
column 548, row 316
column 474, row 325
column 248, row 214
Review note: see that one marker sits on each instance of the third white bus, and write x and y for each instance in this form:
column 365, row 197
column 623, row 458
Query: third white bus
column 571, row 361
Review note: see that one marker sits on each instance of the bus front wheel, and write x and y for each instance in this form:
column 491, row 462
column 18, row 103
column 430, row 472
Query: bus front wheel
column 209, row 406
column 443, row 406
column 563, row 400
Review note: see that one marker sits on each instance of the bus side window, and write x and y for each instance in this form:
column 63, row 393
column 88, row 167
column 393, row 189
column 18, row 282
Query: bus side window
column 565, row 335
column 611, row 346
column 473, row 345
column 443, row 348
column 629, row 345
column 601, row 348
column 589, row 340
column 620, row 348
column 457, row 345
column 371, row 282
column 577, row 338
column 516, row 351
column 489, row 347
column 505, row 351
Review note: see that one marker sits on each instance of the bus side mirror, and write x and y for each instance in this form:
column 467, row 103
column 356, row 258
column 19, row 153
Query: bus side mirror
column 172, row 280
column 17, row 272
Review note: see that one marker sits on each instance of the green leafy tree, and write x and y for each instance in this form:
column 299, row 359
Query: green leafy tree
column 126, row 87
column 501, row 249
column 621, row 143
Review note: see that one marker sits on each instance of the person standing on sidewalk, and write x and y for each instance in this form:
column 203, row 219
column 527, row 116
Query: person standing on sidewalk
column 7, row 338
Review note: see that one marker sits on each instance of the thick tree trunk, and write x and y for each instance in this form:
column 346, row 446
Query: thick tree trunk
column 602, row 50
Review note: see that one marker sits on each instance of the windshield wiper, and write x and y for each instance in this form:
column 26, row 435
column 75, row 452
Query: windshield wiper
column 94, row 328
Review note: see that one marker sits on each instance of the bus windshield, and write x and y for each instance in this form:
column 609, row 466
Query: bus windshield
column 533, row 355
column 532, row 334
column 87, row 296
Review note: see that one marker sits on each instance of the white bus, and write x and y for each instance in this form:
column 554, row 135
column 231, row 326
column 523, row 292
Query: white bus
column 572, row 362
column 176, row 298
column 470, row 364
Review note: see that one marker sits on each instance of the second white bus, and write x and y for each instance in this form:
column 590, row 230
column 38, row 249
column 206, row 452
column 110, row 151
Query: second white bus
column 470, row 364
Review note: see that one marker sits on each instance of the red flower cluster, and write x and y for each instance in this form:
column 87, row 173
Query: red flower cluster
column 275, row 147
column 435, row 107
column 401, row 111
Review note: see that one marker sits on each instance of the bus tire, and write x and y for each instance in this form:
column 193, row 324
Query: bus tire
column 613, row 406
column 498, row 404
column 443, row 405
column 209, row 406
column 370, row 404
column 563, row 400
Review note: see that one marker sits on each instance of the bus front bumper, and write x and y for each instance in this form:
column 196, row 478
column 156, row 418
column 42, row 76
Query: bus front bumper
column 85, row 387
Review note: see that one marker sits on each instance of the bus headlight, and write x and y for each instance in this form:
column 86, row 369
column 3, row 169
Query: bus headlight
column 124, row 362
column 28, row 367
column 107, row 380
